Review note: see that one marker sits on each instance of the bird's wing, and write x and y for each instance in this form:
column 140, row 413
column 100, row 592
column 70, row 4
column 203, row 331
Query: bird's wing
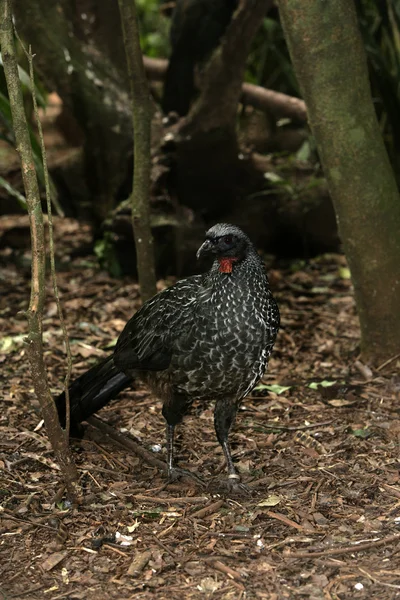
column 148, row 338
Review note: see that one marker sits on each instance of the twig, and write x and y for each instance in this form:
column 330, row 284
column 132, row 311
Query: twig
column 114, row 549
column 207, row 510
column 387, row 362
column 345, row 549
column 126, row 442
column 289, row 522
column 30, row 57
column 183, row 500
column 297, row 427
column 222, row 568
column 35, row 588
column 238, row 535
column 376, row 580
column 164, row 547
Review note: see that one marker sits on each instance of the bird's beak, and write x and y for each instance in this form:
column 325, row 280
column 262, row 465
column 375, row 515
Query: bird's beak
column 206, row 248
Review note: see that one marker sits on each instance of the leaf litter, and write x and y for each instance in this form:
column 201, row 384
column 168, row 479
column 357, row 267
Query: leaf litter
column 321, row 460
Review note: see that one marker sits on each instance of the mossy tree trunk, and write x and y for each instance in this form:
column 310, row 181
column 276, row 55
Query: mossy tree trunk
column 330, row 63
column 141, row 118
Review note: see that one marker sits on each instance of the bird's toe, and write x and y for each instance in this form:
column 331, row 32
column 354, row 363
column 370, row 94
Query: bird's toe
column 176, row 473
column 232, row 488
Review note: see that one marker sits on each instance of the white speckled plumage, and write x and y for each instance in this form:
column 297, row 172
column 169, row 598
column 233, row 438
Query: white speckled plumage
column 208, row 337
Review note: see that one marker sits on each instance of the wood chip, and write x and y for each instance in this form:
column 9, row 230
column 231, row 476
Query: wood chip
column 53, row 560
column 138, row 564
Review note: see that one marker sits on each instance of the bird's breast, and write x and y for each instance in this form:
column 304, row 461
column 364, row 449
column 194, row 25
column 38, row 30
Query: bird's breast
column 224, row 350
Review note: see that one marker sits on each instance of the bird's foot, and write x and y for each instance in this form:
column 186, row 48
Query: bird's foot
column 232, row 487
column 176, row 473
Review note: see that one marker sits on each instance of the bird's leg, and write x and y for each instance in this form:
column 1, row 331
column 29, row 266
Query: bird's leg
column 224, row 416
column 173, row 414
column 232, row 473
column 170, row 449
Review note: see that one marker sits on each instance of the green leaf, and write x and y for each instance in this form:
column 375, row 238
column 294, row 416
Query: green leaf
column 315, row 384
column 274, row 387
column 361, row 433
column 13, row 192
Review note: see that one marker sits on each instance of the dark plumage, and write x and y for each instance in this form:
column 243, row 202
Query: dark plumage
column 208, row 337
column 196, row 29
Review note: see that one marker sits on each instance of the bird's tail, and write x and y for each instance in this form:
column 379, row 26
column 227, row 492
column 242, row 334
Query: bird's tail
column 92, row 390
column 179, row 85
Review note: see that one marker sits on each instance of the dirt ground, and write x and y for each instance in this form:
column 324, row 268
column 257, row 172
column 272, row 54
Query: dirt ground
column 318, row 448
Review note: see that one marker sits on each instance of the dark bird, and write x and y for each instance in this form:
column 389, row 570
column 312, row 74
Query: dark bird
column 208, row 337
column 196, row 29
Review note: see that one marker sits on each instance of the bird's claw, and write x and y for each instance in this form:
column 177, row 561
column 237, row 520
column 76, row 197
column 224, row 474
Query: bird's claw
column 176, row 473
column 232, row 488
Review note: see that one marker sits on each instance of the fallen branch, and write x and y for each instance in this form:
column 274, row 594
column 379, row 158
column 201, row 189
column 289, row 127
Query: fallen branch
column 345, row 549
column 125, row 442
column 130, row 444
column 182, row 500
column 281, row 105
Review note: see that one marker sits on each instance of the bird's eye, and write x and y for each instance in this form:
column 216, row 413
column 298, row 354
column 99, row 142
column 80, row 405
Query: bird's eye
column 228, row 239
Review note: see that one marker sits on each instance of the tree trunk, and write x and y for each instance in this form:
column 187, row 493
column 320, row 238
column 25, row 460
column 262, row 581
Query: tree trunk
column 141, row 117
column 210, row 173
column 330, row 63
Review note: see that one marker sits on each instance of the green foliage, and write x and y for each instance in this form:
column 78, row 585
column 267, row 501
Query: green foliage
column 154, row 28
column 105, row 252
column 380, row 29
column 362, row 433
column 7, row 131
column 314, row 385
column 269, row 63
column 13, row 192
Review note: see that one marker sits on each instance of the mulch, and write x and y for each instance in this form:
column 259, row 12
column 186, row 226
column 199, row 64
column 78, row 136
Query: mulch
column 317, row 443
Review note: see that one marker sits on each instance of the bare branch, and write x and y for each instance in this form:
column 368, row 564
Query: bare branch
column 56, row 435
column 51, row 241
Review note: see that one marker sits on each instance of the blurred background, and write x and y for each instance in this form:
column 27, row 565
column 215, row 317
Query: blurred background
column 220, row 151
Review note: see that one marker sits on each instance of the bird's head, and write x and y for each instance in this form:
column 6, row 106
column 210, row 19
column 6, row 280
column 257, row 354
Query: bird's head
column 227, row 243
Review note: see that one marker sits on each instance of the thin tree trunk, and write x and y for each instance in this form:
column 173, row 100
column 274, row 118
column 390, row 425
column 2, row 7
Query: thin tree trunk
column 216, row 107
column 141, row 114
column 330, row 63
column 56, row 435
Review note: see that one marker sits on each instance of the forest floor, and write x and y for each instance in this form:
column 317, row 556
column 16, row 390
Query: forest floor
column 318, row 447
